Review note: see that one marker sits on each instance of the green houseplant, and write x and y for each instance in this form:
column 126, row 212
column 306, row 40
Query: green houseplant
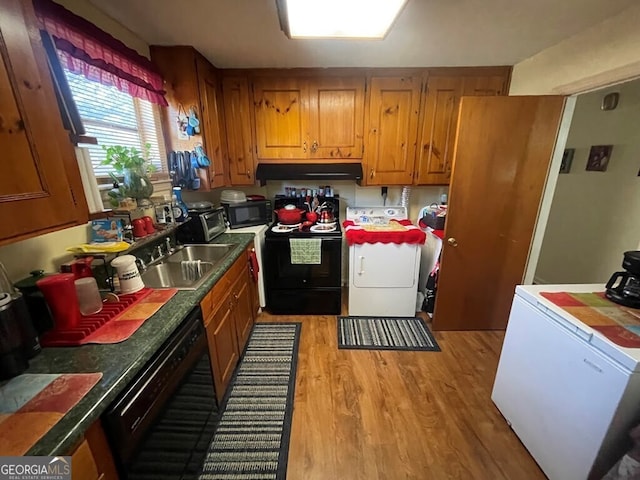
column 133, row 167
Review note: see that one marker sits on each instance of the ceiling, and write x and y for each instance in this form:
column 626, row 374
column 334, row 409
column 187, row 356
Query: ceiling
column 246, row 33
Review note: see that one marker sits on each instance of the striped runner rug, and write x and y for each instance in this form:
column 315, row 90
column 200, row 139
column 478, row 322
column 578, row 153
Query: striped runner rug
column 385, row 333
column 251, row 441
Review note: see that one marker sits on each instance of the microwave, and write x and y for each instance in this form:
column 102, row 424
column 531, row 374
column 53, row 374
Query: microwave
column 247, row 214
column 202, row 227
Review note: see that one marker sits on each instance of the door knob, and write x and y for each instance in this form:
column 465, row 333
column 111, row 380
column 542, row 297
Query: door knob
column 452, row 241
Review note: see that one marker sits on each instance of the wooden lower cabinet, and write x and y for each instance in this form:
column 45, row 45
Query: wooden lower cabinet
column 92, row 459
column 223, row 345
column 228, row 318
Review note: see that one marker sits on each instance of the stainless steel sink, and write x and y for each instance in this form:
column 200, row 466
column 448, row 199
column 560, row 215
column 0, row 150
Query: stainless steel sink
column 170, row 273
column 212, row 253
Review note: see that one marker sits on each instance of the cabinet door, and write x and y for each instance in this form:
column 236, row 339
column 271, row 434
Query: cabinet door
column 392, row 130
column 214, row 143
column 223, row 346
column 487, row 85
column 282, row 117
column 437, row 134
column 237, row 105
column 33, row 176
column 336, row 114
column 243, row 310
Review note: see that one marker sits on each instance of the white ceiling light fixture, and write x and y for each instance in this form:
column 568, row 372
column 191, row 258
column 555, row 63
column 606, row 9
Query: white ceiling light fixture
column 338, row 18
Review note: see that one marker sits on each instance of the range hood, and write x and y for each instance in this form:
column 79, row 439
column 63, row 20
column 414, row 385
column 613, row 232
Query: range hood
column 308, row 171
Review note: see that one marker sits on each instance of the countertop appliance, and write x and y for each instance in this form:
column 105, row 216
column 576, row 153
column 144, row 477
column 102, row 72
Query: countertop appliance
column 204, row 225
column 568, row 392
column 624, row 287
column 164, row 420
column 247, row 214
column 383, row 277
column 312, row 287
column 259, row 244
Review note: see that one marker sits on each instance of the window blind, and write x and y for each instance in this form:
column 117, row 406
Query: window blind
column 115, row 118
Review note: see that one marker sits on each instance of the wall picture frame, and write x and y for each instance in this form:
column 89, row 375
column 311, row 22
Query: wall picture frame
column 599, row 157
column 567, row 159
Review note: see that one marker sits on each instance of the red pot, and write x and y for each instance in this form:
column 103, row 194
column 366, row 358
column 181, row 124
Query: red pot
column 289, row 216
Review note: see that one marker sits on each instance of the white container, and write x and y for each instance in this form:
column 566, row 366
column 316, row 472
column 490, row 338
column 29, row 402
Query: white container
column 128, row 274
column 232, row 196
column 89, row 299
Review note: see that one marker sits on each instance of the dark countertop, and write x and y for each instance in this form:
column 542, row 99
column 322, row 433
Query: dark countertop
column 120, row 362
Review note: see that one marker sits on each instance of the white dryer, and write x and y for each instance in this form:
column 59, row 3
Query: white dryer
column 383, row 277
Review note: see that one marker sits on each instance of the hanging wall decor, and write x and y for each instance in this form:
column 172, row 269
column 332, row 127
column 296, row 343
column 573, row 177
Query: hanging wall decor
column 182, row 123
column 599, row 157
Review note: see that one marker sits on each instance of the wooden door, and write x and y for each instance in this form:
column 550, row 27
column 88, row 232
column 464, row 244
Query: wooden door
column 392, row 129
column 485, row 85
column 282, row 117
column 336, row 116
column 223, row 345
column 35, row 194
column 237, row 105
column 214, row 141
column 439, row 118
column 502, row 156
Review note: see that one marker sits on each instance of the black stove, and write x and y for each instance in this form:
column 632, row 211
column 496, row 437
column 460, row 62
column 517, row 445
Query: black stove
column 277, row 229
column 310, row 287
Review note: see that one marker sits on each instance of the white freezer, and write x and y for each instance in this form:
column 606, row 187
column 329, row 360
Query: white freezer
column 570, row 394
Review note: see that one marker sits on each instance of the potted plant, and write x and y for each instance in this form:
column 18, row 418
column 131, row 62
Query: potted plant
column 132, row 165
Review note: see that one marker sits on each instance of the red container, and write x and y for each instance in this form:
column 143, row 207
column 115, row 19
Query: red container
column 60, row 293
column 289, row 215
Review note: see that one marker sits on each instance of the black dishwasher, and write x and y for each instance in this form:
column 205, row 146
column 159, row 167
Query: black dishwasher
column 161, row 425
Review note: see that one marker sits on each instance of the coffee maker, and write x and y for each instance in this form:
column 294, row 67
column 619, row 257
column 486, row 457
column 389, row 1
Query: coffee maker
column 624, row 287
column 18, row 338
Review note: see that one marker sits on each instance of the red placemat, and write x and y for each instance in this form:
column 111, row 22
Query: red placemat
column 31, row 404
column 115, row 323
column 618, row 323
column 358, row 234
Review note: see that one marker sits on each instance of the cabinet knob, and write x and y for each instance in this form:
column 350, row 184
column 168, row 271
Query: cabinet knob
column 314, row 146
column 304, row 147
column 373, row 172
column 452, row 241
column 248, row 174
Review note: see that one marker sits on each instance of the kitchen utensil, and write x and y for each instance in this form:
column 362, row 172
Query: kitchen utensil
column 326, row 216
column 128, row 274
column 139, row 228
column 89, row 300
column 148, row 224
column 289, row 214
column 232, row 196
column 60, row 293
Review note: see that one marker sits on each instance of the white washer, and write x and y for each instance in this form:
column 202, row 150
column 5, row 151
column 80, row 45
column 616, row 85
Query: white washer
column 258, row 231
column 383, row 277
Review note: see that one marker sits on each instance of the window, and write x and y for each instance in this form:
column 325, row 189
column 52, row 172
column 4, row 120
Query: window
column 116, row 118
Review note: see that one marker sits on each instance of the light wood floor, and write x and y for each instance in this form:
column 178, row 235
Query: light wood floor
column 367, row 414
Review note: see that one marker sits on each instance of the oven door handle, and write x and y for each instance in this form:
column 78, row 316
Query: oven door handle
column 361, row 272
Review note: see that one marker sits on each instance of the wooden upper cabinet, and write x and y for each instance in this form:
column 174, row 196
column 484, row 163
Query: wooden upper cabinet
column 336, row 117
column 485, row 85
column 439, row 117
column 309, row 117
column 192, row 82
column 35, row 192
column 212, row 120
column 392, row 130
column 282, row 117
column 439, row 109
column 237, row 112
